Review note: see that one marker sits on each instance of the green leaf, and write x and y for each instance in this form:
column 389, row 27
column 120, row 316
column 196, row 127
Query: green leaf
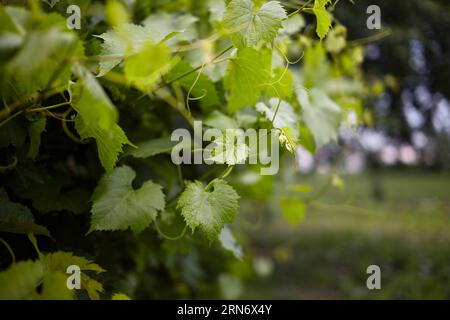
column 16, row 218
column 323, row 17
column 320, row 114
column 285, row 117
column 246, row 76
column 109, row 142
column 126, row 39
column 31, row 70
column 54, row 287
column 208, row 210
column 250, row 27
column 144, row 68
column 282, row 84
column 152, row 147
column 20, row 280
column 35, row 130
column 92, row 287
column 117, row 206
column 97, row 119
column 120, row 296
column 91, row 102
column 293, row 210
column 60, row 261
column 217, row 119
column 129, row 39
column 171, row 27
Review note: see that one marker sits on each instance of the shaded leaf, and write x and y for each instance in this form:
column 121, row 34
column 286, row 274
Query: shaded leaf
column 208, row 210
column 117, row 206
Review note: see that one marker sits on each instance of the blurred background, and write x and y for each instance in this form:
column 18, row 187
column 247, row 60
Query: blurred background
column 384, row 199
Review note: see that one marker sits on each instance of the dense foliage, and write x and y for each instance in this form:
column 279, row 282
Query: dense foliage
column 85, row 122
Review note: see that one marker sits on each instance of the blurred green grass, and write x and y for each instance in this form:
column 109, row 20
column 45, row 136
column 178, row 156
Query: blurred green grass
column 399, row 220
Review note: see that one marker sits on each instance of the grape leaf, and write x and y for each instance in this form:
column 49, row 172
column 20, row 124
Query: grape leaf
column 127, row 39
column 92, row 287
column 144, row 68
column 109, row 142
column 320, row 114
column 97, row 118
column 323, row 17
column 250, row 27
column 171, row 27
column 130, row 38
column 60, row 260
column 20, row 280
column 54, row 287
column 117, row 206
column 281, row 84
column 208, row 210
column 217, row 119
column 30, row 70
column 91, row 102
column 245, row 77
column 120, row 296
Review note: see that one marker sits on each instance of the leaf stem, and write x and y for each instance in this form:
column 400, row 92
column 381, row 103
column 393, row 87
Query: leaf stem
column 196, row 69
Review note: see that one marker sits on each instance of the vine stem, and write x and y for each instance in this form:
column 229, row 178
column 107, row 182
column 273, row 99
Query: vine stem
column 180, row 176
column 223, row 175
column 18, row 107
column 375, row 37
column 195, row 69
column 49, row 107
column 299, row 9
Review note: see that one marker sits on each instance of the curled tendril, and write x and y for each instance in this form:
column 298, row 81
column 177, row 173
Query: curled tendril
column 67, row 130
column 188, row 98
column 205, row 92
column 181, row 235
